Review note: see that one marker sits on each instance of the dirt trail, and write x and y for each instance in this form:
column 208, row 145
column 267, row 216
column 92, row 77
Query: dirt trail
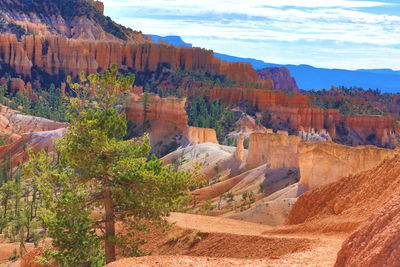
column 321, row 252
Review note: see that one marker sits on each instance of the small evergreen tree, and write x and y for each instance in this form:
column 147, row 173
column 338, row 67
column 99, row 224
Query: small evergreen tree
column 99, row 171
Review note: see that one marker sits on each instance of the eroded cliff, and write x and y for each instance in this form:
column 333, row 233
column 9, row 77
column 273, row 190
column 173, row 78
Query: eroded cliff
column 325, row 162
column 276, row 150
column 167, row 119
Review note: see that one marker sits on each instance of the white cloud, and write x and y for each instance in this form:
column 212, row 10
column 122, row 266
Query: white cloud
column 217, row 24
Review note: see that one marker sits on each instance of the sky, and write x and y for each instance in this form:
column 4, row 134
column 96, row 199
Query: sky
column 346, row 34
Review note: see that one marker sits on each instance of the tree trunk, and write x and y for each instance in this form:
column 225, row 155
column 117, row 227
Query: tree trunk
column 110, row 226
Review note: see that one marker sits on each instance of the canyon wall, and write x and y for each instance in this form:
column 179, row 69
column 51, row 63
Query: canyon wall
column 277, row 150
column 262, row 98
column 325, row 162
column 55, row 55
column 320, row 163
column 281, row 78
column 196, row 135
column 168, row 119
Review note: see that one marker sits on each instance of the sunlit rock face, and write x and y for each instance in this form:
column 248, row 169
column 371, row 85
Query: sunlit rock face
column 325, row 162
column 276, row 150
column 167, row 120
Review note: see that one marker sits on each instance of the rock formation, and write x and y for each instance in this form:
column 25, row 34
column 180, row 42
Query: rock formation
column 261, row 98
column 373, row 128
column 18, row 151
column 377, row 241
column 196, row 135
column 72, row 19
column 98, row 5
column 281, row 78
column 246, row 125
column 276, row 150
column 55, row 55
column 324, row 162
column 168, row 120
column 213, row 159
column 17, row 85
column 171, row 109
column 343, row 205
column 12, row 122
column 239, row 153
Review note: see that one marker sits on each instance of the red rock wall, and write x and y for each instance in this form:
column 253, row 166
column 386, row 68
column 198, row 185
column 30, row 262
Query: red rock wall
column 262, row 98
column 281, row 78
column 171, row 109
column 55, row 54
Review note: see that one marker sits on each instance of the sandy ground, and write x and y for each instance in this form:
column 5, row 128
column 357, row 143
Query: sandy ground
column 228, row 242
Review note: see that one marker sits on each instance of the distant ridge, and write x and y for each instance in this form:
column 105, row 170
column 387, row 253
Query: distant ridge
column 309, row 77
column 174, row 40
column 312, row 78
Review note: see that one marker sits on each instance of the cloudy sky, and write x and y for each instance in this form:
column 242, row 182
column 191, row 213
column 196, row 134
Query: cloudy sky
column 349, row 34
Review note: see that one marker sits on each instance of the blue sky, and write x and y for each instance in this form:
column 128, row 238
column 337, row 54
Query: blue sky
column 348, row 34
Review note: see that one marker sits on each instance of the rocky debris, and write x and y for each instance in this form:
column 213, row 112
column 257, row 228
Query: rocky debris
column 325, row 162
column 343, row 205
column 281, row 78
column 276, row 150
column 377, row 241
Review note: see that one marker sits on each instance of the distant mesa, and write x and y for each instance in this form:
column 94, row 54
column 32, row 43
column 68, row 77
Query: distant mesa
column 172, row 40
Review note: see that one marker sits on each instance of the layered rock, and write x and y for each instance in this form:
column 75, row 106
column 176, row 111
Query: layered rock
column 171, row 109
column 281, row 78
column 324, row 162
column 18, row 151
column 276, row 150
column 263, row 99
column 79, row 19
column 11, row 122
column 373, row 129
column 345, row 204
column 56, row 55
column 168, row 120
column 377, row 241
column 196, row 135
column 239, row 153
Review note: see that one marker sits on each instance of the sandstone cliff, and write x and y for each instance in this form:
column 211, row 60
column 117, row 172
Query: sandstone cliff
column 281, row 78
column 58, row 55
column 276, row 150
column 322, row 163
column 263, row 99
column 343, row 205
column 168, row 120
